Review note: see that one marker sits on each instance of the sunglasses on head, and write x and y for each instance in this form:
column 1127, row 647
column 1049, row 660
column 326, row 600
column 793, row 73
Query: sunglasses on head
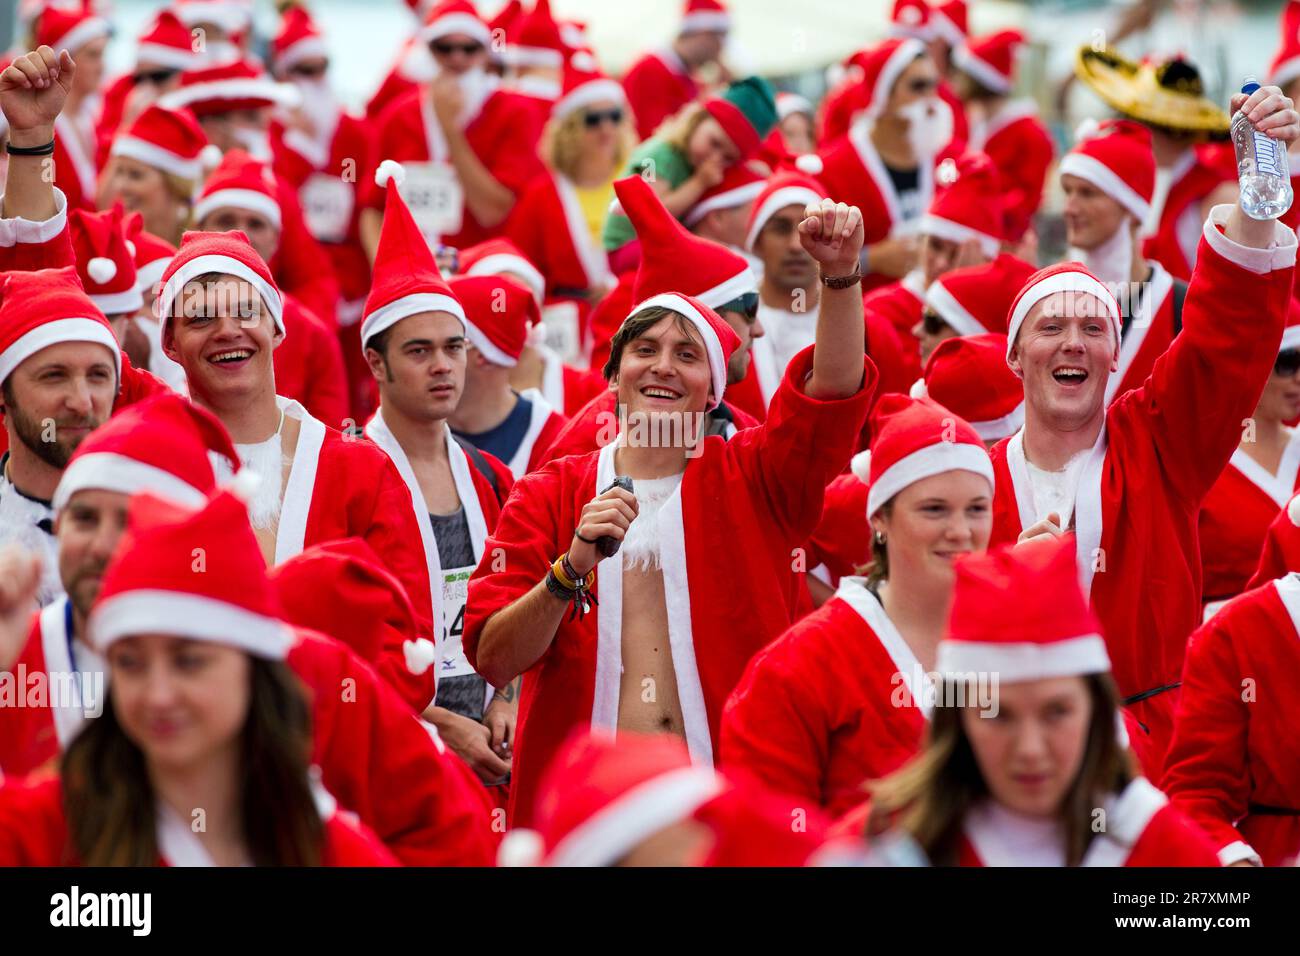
column 156, row 77
column 1287, row 362
column 593, row 119
column 309, row 70
column 746, row 305
column 932, row 323
column 446, row 48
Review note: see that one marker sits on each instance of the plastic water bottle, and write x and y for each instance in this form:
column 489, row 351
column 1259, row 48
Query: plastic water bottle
column 1261, row 167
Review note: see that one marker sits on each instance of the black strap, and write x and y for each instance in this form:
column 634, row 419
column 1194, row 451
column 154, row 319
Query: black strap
column 1179, row 293
column 1129, row 701
column 481, row 463
column 1264, row 810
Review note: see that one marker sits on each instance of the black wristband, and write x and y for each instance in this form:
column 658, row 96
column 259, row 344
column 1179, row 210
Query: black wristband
column 45, row 150
column 559, row 590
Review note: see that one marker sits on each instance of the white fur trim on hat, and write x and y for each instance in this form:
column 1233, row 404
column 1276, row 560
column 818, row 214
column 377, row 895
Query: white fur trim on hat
column 389, row 315
column 786, row 196
column 55, row 332
column 787, row 104
column 593, row 91
column 925, row 462
column 277, row 94
column 701, row 21
column 1293, row 510
column 101, row 269
column 1286, row 71
column 860, row 465
column 907, row 51
column 310, row 47
column 231, row 17
column 390, row 171
column 1105, row 179
column 1290, row 338
column 92, row 28
column 996, row 429
column 224, row 265
column 712, row 345
column 986, row 73
column 171, row 57
column 951, row 311
column 722, row 293
column 940, row 228
column 107, row 471
column 609, row 835
column 465, row 23
column 154, row 155
column 1013, row 663
column 194, row 616
column 249, row 200
column 127, row 302
column 1061, row 282
column 724, row 200
column 151, row 273
column 502, row 262
column 491, row 351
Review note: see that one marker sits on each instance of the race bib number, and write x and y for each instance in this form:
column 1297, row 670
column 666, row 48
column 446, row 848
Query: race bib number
column 560, row 322
column 435, row 198
column 455, row 590
column 327, row 206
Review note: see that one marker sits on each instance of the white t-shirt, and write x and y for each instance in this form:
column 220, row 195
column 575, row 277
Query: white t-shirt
column 1055, row 491
column 788, row 333
column 1029, row 841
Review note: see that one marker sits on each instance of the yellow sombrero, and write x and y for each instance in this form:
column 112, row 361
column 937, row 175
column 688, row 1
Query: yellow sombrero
column 1168, row 94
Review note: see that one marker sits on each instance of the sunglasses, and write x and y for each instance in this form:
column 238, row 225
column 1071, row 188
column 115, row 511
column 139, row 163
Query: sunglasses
column 447, row 49
column 156, row 77
column 309, row 71
column 593, row 119
column 746, row 305
column 1287, row 362
column 922, row 86
column 932, row 323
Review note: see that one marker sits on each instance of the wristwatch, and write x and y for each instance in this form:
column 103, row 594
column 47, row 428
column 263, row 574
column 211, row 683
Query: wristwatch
column 841, row 282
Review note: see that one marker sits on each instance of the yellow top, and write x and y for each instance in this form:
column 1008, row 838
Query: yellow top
column 595, row 202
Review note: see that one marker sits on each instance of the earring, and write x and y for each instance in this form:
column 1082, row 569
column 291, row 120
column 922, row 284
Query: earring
column 880, row 538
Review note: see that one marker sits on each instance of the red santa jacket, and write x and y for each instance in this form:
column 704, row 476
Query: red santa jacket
column 1151, row 328
column 503, row 136
column 428, row 811
column 566, row 388
column 596, row 423
column 548, row 226
column 300, row 264
column 830, row 704
column 1235, row 519
column 901, row 303
column 1281, row 551
column 742, row 508
column 657, row 85
column 34, row 832
column 1142, row 829
column 842, row 541
column 75, row 171
column 309, row 365
column 1022, row 150
column 1193, row 177
column 1160, row 451
column 1234, row 765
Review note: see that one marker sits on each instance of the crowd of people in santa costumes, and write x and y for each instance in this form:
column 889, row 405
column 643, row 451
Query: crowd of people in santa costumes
column 654, row 456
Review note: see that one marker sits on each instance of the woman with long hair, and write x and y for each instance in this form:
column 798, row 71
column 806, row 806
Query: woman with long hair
column 201, row 755
column 843, row 696
column 1023, row 763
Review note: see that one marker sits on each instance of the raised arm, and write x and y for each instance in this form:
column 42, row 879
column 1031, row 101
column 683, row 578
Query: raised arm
column 33, row 89
column 832, row 234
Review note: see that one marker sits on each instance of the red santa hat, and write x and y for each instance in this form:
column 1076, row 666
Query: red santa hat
column 787, row 187
column 990, row 60
column 673, row 260
column 536, row 39
column 169, row 43
column 405, row 279
column 881, row 67
column 585, row 84
column 341, row 588
column 167, row 139
column 968, row 203
column 1064, row 277
column 740, row 185
column 152, row 254
column 910, row 18
column 494, row 257
column 191, row 574
column 968, row 375
column 454, row 17
column 916, row 438
column 232, row 16
column 1286, row 65
column 1291, row 334
column 704, row 16
column 1115, row 156
column 105, row 263
column 299, row 39
column 1018, row 612
column 977, row 299
column 500, row 313
column 69, row 27
column 48, row 307
column 240, row 182
column 948, row 21
column 720, row 339
column 787, row 104
column 225, row 253
column 226, row 87
column 160, row 446
column 602, row 796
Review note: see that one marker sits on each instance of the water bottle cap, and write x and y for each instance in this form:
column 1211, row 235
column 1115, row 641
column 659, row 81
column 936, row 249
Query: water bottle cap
column 1249, row 87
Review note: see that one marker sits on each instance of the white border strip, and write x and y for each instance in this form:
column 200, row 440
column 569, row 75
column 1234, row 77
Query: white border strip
column 193, row 616
column 1022, row 661
column 129, row 476
column 925, row 462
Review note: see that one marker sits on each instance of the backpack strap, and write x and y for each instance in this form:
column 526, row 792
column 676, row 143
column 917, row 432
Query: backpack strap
column 481, row 464
column 1179, row 293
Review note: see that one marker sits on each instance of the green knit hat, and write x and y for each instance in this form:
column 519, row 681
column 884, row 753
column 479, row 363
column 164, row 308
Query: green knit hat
column 746, row 111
